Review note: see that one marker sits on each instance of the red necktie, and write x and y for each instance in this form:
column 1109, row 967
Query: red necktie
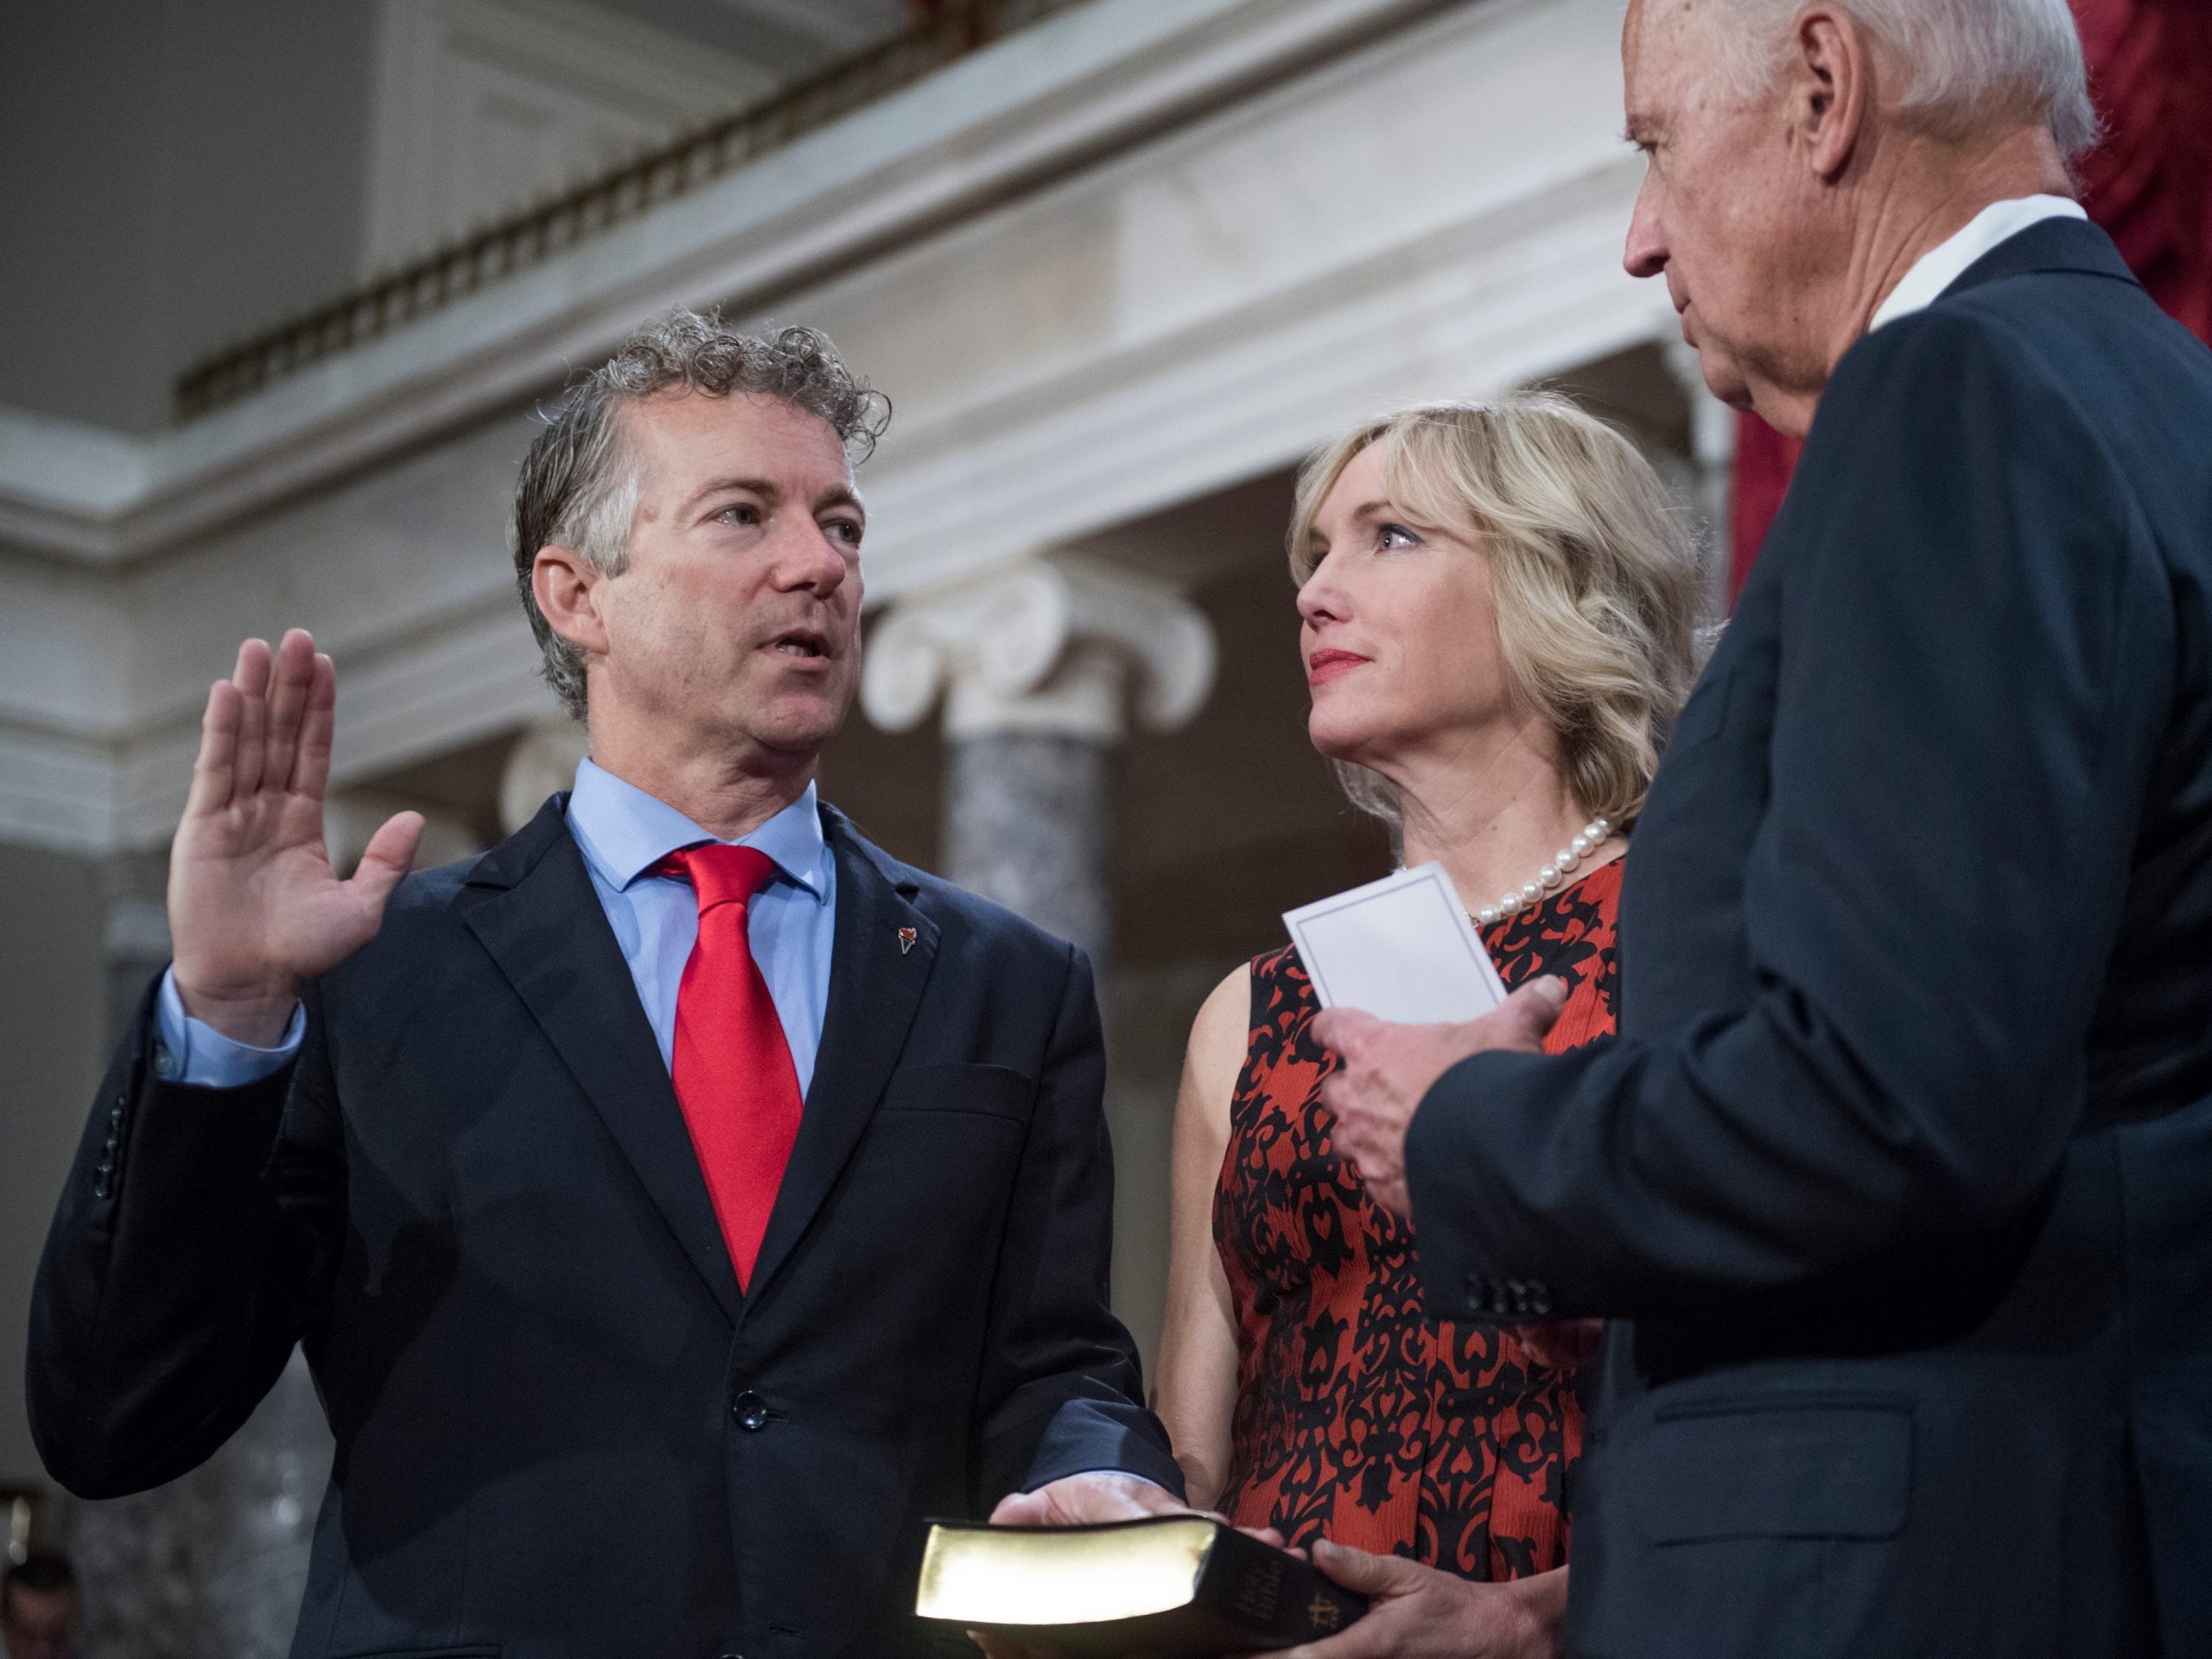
column 733, row 1067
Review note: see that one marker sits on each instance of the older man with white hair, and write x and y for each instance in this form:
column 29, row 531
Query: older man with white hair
column 1896, row 1179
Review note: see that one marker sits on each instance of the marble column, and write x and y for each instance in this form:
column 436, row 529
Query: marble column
column 215, row 1562
column 1041, row 667
column 1026, row 823
column 1713, row 454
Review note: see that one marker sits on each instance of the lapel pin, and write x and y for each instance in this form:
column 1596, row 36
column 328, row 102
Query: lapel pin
column 906, row 937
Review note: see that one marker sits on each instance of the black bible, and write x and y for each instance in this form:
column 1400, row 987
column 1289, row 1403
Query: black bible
column 1181, row 1587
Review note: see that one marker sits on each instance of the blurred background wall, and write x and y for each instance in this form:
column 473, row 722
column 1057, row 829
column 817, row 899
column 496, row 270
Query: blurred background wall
column 147, row 152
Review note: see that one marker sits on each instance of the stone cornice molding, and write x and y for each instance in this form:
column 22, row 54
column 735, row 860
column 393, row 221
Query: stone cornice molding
column 95, row 788
column 1488, row 305
column 1191, row 313
column 1053, row 645
column 1094, row 80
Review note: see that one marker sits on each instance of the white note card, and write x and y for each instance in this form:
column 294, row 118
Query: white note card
column 1401, row 949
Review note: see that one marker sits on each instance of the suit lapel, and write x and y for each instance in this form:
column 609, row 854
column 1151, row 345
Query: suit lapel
column 878, row 966
column 531, row 903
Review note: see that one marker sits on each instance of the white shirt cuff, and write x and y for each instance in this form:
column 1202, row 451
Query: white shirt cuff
column 192, row 1052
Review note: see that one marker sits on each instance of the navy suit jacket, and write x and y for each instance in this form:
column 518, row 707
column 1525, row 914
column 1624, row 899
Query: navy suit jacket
column 1899, row 1173
column 560, row 1429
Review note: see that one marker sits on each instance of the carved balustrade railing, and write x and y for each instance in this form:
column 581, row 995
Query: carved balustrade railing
column 561, row 221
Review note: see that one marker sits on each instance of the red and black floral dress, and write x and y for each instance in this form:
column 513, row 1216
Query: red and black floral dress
column 1357, row 1419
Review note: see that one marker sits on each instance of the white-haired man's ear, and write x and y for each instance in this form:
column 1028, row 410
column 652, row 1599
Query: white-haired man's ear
column 1830, row 75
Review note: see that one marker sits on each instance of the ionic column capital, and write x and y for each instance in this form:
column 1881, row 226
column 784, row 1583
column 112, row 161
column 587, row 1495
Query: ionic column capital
column 1053, row 643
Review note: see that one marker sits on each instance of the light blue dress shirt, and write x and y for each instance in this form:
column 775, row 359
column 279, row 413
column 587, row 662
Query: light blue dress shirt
column 622, row 833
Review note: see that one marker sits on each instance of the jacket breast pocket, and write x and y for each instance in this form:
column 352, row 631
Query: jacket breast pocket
column 1818, row 1466
column 983, row 1090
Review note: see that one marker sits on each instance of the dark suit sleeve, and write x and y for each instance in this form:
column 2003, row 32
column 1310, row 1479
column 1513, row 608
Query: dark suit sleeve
column 1061, row 1390
column 192, row 1247
column 1976, row 651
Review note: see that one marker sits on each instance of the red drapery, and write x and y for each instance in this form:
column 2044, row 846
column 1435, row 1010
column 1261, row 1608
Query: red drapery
column 2149, row 184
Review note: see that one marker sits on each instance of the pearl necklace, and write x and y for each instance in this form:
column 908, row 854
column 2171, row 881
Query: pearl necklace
column 1551, row 877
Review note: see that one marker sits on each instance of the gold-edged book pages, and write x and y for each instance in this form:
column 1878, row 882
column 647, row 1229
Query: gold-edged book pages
column 1173, row 1585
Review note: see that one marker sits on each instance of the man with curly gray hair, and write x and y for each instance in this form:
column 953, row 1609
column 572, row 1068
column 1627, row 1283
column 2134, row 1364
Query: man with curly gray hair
column 677, row 1204
column 1894, row 1182
column 579, row 487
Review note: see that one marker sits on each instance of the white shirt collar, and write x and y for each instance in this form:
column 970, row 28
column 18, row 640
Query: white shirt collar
column 1940, row 266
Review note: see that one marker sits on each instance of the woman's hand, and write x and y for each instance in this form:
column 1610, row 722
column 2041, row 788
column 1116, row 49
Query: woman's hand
column 1420, row 1613
column 1563, row 1345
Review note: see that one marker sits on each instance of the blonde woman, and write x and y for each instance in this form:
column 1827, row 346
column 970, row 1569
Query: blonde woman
column 1498, row 611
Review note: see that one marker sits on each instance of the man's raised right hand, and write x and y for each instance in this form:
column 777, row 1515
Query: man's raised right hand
column 255, row 908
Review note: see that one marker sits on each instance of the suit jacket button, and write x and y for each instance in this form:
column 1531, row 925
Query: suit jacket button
column 751, row 1412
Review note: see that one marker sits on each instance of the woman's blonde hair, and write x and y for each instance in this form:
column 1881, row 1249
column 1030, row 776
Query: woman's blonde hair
column 1598, row 588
